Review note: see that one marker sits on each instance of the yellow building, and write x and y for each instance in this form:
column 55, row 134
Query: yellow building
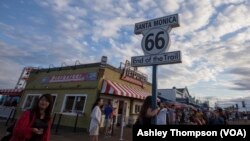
column 75, row 89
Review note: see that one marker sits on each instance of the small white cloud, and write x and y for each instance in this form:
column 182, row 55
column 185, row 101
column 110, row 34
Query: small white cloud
column 11, row 51
column 147, row 4
column 9, row 75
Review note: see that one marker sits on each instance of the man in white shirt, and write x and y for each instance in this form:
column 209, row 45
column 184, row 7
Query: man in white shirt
column 162, row 116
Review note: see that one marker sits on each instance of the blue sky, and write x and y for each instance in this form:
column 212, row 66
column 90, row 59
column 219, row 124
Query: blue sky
column 213, row 37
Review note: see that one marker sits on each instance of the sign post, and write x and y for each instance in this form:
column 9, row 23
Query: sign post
column 154, row 90
column 155, row 44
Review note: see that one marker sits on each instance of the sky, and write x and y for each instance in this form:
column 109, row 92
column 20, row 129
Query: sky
column 213, row 38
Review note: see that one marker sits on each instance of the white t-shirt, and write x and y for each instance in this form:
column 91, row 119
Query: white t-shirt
column 95, row 116
column 162, row 116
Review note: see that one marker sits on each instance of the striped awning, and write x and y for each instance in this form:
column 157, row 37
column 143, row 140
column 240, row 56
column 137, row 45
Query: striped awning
column 114, row 88
column 11, row 92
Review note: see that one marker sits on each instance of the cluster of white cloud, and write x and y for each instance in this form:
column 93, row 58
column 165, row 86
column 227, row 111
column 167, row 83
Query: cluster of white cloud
column 8, row 72
column 206, row 48
column 213, row 37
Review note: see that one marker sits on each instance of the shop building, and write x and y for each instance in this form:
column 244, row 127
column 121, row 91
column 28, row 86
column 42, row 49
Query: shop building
column 9, row 98
column 75, row 89
column 180, row 95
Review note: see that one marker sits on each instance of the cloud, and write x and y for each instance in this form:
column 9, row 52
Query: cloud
column 217, row 3
column 11, row 51
column 233, row 101
column 38, row 21
column 242, row 78
column 111, row 28
column 213, row 37
column 240, row 71
column 147, row 4
column 170, row 6
column 8, row 73
column 203, row 24
column 205, row 50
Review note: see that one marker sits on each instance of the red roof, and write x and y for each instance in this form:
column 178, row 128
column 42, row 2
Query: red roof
column 114, row 88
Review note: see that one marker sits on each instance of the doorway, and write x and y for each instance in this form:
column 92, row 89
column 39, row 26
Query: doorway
column 122, row 108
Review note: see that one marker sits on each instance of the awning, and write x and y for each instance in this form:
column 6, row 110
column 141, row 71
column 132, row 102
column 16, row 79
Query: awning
column 11, row 92
column 177, row 105
column 114, row 88
column 162, row 99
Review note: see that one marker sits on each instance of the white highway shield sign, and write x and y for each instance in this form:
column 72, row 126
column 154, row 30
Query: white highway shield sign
column 155, row 41
column 158, row 59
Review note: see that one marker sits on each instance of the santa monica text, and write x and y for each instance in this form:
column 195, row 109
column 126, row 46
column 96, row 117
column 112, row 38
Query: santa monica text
column 171, row 20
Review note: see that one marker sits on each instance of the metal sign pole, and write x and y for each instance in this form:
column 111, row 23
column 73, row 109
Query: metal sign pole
column 122, row 121
column 154, row 92
column 155, row 44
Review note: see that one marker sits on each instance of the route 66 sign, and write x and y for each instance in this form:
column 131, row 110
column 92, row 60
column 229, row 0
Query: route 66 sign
column 155, row 41
column 156, row 34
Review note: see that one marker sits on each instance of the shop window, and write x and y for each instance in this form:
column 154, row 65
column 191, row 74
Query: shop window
column 32, row 99
column 137, row 109
column 74, row 104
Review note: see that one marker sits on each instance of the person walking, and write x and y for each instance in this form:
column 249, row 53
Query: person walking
column 108, row 116
column 95, row 122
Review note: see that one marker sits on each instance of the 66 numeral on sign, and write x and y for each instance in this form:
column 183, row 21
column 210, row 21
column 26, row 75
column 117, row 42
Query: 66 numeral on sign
column 155, row 41
column 149, row 43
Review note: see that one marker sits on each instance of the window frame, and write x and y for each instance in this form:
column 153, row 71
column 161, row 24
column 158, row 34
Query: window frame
column 39, row 95
column 25, row 101
column 74, row 104
column 137, row 108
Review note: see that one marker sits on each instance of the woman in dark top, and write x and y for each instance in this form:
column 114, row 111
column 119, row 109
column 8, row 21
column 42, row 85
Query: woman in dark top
column 147, row 113
column 34, row 125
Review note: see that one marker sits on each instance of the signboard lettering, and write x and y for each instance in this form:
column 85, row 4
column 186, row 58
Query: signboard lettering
column 133, row 76
column 160, row 59
column 92, row 76
column 171, row 20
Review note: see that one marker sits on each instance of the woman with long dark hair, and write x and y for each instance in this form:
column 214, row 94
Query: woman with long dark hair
column 147, row 113
column 34, row 124
column 95, row 119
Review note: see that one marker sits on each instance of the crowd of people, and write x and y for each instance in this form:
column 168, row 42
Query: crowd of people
column 165, row 114
column 34, row 124
column 168, row 114
column 96, row 114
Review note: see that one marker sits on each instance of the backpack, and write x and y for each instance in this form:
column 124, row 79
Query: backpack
column 11, row 127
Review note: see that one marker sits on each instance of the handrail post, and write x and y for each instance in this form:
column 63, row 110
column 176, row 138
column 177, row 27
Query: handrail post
column 6, row 124
column 58, row 123
column 52, row 125
column 76, row 122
